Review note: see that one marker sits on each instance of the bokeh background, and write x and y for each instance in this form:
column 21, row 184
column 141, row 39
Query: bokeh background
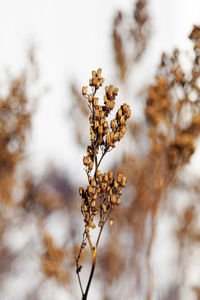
column 48, row 50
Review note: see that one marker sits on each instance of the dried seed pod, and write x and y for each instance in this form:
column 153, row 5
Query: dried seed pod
column 100, row 223
column 95, row 101
column 93, row 183
column 91, row 165
column 81, row 191
column 119, row 113
column 85, row 160
column 118, row 201
column 105, row 177
column 111, row 221
column 84, row 90
column 100, row 129
column 113, row 199
column 89, row 189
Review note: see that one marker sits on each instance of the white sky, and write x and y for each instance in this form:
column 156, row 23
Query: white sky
column 72, row 38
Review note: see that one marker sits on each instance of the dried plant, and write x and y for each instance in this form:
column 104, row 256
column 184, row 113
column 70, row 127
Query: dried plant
column 130, row 37
column 102, row 195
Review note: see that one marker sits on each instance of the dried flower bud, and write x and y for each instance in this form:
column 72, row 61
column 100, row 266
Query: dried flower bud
column 84, row 90
column 93, row 74
column 96, row 124
column 105, row 176
column 85, row 160
column 93, row 183
column 118, row 201
column 92, row 225
column 90, row 97
column 119, row 113
column 119, row 178
column 91, row 165
column 81, row 191
column 100, row 129
column 110, row 174
column 99, row 71
column 95, row 101
column 104, row 208
column 100, row 223
column 122, row 120
column 113, row 124
column 93, row 204
column 113, row 199
column 123, row 181
column 111, row 222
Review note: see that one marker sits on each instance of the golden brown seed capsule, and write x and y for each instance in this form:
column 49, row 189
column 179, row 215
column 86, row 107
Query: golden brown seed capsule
column 85, row 160
column 100, row 129
column 107, row 104
column 100, row 178
column 110, row 174
column 112, row 135
column 115, row 184
column 101, row 80
column 119, row 113
column 99, row 71
column 85, row 208
column 116, row 91
column 106, row 130
column 96, row 124
column 113, row 124
column 93, row 204
column 105, row 176
column 106, row 89
column 90, row 165
column 101, row 114
column 105, row 124
column 111, row 222
column 93, row 182
column 84, row 90
column 98, row 173
column 128, row 114
column 81, row 190
column 123, row 130
column 100, row 224
column 119, row 177
column 91, row 120
column 90, row 189
column 90, row 97
column 90, row 82
column 124, row 107
column 104, row 208
column 96, row 113
column 113, row 199
column 118, row 201
column 92, row 137
column 102, row 121
column 108, row 140
column 92, row 225
column 123, row 181
column 120, row 192
column 94, row 74
column 122, row 120
column 104, row 186
column 116, row 137
column 95, row 101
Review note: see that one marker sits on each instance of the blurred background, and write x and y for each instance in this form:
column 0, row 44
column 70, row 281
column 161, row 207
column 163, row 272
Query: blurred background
column 48, row 50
